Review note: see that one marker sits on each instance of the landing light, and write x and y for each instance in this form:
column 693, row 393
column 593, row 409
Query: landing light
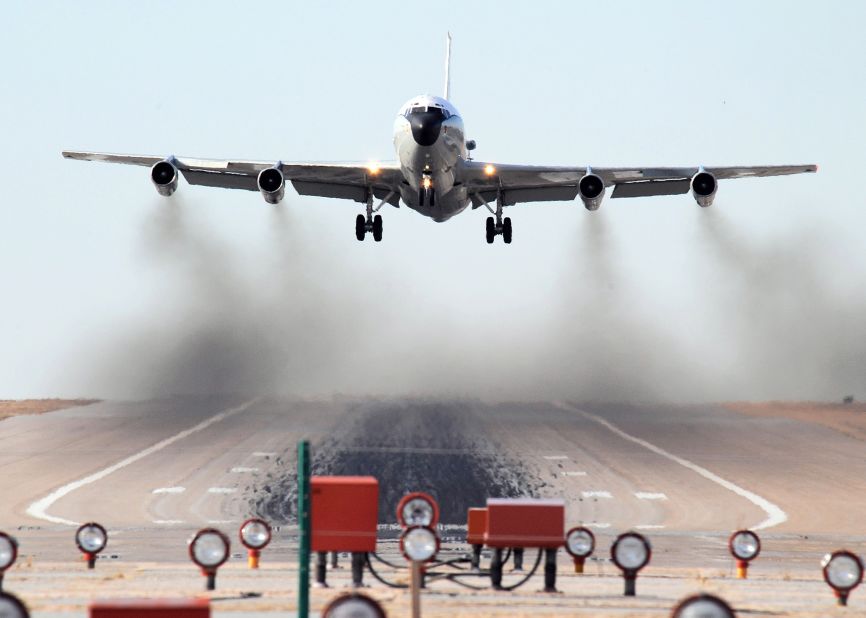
column 255, row 534
column 209, row 549
column 353, row 606
column 373, row 168
column 426, row 182
column 489, row 170
column 843, row 571
column 91, row 539
column 703, row 606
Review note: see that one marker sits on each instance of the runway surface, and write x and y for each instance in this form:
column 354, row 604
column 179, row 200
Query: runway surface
column 193, row 461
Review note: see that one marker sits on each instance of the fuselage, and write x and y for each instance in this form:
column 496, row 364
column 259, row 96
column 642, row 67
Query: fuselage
column 431, row 146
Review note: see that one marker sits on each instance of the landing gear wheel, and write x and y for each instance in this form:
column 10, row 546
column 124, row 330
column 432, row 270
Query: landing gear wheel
column 360, row 227
column 506, row 230
column 377, row 228
column 491, row 230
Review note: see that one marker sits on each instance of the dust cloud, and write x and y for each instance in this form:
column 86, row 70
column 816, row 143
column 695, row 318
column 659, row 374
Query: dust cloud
column 763, row 319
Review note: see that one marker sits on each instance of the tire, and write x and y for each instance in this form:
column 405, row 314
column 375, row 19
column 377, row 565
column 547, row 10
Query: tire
column 360, row 227
column 491, row 230
column 377, row 228
column 506, row 230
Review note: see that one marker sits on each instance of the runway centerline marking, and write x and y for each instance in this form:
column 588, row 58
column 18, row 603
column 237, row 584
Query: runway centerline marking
column 775, row 515
column 243, row 469
column 169, row 490
column 167, row 522
column 555, row 457
column 650, row 495
column 649, row 527
column 39, row 509
column 264, row 454
column 573, row 473
column 221, row 490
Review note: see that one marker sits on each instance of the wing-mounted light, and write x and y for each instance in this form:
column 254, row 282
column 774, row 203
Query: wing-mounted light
column 591, row 188
column 704, row 187
column 272, row 184
column 164, row 177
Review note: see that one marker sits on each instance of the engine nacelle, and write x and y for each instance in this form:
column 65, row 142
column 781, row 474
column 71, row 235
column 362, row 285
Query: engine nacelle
column 164, row 177
column 591, row 188
column 704, row 187
column 272, row 184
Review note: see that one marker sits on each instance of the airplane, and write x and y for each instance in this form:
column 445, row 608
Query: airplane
column 436, row 176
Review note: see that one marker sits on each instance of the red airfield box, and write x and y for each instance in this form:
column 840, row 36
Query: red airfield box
column 150, row 608
column 525, row 522
column 345, row 513
column 476, row 526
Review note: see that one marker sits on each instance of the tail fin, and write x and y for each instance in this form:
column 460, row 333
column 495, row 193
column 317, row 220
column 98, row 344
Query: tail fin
column 448, row 67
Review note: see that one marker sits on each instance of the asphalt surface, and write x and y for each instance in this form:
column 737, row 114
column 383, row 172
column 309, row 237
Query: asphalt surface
column 686, row 476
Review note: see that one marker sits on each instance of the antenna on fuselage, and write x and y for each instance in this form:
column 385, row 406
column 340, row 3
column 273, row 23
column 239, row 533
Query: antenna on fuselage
column 448, row 66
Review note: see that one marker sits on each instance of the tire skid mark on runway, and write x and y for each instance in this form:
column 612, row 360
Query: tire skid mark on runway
column 39, row 509
column 775, row 515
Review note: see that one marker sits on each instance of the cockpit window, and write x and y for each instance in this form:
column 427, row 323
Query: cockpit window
column 441, row 112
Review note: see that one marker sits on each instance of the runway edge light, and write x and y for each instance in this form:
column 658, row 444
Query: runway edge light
column 843, row 571
column 209, row 550
column 703, row 606
column 630, row 552
column 91, row 539
column 8, row 554
column 254, row 534
column 744, row 546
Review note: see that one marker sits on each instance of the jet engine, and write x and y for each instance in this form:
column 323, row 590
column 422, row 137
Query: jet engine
column 272, row 184
column 591, row 189
column 164, row 177
column 704, row 187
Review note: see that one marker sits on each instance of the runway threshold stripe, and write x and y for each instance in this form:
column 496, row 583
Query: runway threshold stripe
column 39, row 509
column 775, row 515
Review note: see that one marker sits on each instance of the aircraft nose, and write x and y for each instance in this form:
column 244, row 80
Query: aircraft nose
column 426, row 127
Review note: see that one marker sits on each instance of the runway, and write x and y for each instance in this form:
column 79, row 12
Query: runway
column 187, row 462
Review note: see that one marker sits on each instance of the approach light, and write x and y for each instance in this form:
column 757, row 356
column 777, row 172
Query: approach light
column 209, row 549
column 580, row 543
column 255, row 534
column 489, row 170
column 630, row 552
column 419, row 543
column 91, row 539
column 8, row 554
column 703, row 606
column 12, row 607
column 417, row 509
column 353, row 605
column 843, row 571
column 744, row 546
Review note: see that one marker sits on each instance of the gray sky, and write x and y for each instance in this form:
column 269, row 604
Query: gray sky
column 113, row 291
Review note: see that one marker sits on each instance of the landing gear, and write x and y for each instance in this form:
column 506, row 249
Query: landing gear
column 370, row 223
column 498, row 225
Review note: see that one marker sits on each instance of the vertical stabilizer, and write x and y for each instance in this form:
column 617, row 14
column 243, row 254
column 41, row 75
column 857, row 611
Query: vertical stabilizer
column 448, row 67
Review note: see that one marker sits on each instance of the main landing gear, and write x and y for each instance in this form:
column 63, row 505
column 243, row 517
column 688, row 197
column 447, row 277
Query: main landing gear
column 370, row 223
column 497, row 225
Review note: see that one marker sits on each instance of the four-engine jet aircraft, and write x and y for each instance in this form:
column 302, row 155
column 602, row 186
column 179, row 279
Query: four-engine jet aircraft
column 435, row 175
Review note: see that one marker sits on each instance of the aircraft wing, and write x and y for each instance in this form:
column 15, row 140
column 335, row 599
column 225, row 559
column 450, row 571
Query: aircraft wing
column 339, row 180
column 530, row 183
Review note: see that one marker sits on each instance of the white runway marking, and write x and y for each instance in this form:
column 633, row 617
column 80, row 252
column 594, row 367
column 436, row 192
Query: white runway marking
column 555, row 457
column 39, row 509
column 221, row 490
column 598, row 526
column 596, row 494
column 264, row 454
column 649, row 495
column 242, row 470
column 649, row 527
column 775, row 515
column 167, row 522
column 573, row 473
column 169, row 490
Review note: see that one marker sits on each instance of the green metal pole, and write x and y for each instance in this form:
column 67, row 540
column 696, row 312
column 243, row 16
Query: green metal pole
column 304, row 529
